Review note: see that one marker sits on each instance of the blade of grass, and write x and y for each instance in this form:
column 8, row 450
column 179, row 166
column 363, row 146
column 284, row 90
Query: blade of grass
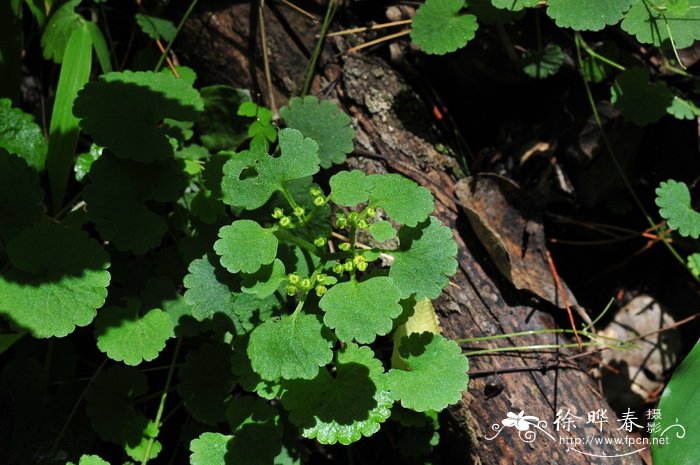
column 64, row 129
column 101, row 48
column 10, row 48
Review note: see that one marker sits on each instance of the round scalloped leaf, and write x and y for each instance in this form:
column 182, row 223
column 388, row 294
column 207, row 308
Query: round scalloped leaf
column 487, row 13
column 58, row 280
column 402, row 199
column 639, row 100
column 247, row 378
column 514, row 5
column 124, row 112
column 210, row 288
column 545, row 63
column 361, row 310
column 440, row 28
column 155, row 28
column 673, row 200
column 246, row 246
column 325, row 123
column 682, row 108
column 20, row 135
column 58, row 30
column 266, row 280
column 349, row 188
column 257, row 435
column 650, row 26
column 20, row 196
column 206, row 382
column 292, row 347
column 210, row 449
column 426, row 260
column 344, row 407
column 382, row 231
column 251, row 177
column 110, row 404
column 124, row 336
column 429, row 357
column 591, row 15
column 90, row 460
column 119, row 195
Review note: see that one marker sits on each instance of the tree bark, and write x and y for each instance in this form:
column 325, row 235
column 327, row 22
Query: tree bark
column 395, row 133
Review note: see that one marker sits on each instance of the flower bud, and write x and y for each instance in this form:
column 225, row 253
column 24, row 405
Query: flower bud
column 320, row 290
column 338, row 269
column 358, row 259
column 371, row 211
column 316, row 191
column 344, row 246
column 362, row 224
column 353, row 216
column 277, row 213
column 299, row 212
column 341, row 222
column 321, row 278
column 319, row 201
column 305, row 284
column 348, row 265
column 362, row 266
column 291, row 290
column 320, row 241
column 285, row 222
column 293, row 278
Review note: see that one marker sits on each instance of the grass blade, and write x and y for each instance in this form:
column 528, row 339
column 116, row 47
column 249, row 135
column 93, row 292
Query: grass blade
column 101, row 48
column 64, row 129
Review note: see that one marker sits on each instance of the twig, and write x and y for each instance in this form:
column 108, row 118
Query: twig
column 266, row 59
column 564, row 299
column 300, row 10
column 356, row 30
column 167, row 58
column 379, row 40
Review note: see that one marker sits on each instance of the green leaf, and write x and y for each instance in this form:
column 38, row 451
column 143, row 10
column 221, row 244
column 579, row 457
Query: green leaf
column 251, row 177
column 680, row 405
column 673, row 200
column 694, row 264
column 514, row 5
column 90, row 460
column 542, row 64
column 402, row 199
column 429, row 357
column 342, row 407
column 426, row 260
column 246, row 246
column 247, row 378
column 639, row 100
column 20, row 135
column 290, row 347
column 127, row 337
column 257, row 435
column 206, row 382
column 655, row 26
column 219, row 125
column 592, row 15
column 382, row 231
column 123, row 112
column 262, row 131
column 62, row 23
column 58, row 280
column 210, row 288
column 210, row 449
column 121, row 196
column 439, row 28
column 325, row 123
column 266, row 280
column 682, row 108
column 64, row 129
column 487, row 13
column 20, row 196
column 110, row 404
column 99, row 43
column 361, row 310
column 156, row 28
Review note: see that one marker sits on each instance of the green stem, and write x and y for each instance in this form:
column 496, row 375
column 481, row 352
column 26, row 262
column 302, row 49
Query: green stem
column 534, row 347
column 534, row 332
column 163, row 397
column 618, row 167
column 598, row 56
column 296, row 240
column 311, row 67
column 177, row 31
column 290, row 200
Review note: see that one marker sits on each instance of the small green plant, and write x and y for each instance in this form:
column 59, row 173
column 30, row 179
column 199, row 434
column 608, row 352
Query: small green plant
column 283, row 312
